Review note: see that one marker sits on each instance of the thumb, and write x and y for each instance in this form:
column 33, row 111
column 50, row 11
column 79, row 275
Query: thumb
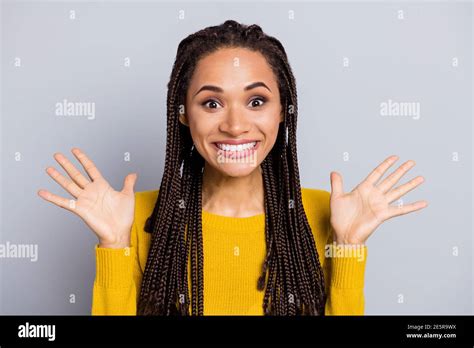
column 129, row 183
column 336, row 184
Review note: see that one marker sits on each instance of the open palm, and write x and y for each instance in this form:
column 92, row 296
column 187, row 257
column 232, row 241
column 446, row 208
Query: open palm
column 107, row 212
column 356, row 215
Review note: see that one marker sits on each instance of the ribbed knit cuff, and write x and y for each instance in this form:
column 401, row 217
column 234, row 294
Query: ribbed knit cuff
column 348, row 271
column 114, row 267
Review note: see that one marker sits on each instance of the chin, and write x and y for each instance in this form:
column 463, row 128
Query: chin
column 236, row 170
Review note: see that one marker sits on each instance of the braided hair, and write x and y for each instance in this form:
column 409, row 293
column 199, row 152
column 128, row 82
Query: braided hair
column 291, row 274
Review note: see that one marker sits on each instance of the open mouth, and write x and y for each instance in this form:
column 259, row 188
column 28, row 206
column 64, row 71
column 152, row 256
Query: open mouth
column 237, row 149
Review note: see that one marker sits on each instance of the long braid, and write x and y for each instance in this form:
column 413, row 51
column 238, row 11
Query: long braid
column 293, row 190
column 182, row 261
column 291, row 274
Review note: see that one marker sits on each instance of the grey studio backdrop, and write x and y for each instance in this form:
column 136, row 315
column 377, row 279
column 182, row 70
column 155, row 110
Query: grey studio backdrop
column 351, row 60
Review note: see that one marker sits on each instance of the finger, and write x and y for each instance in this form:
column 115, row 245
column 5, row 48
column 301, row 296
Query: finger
column 68, row 204
column 88, row 165
column 393, row 178
column 401, row 190
column 66, row 184
column 405, row 209
column 336, row 184
column 129, row 183
column 377, row 173
column 71, row 170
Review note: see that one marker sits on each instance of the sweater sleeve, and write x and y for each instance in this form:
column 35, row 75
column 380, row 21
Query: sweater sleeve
column 117, row 280
column 344, row 278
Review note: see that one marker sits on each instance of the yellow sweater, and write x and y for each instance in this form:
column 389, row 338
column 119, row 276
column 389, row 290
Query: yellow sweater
column 234, row 249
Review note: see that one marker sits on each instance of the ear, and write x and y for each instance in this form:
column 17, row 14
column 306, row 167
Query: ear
column 183, row 120
column 282, row 116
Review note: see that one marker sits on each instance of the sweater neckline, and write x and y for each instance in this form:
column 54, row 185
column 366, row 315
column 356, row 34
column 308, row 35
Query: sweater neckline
column 233, row 224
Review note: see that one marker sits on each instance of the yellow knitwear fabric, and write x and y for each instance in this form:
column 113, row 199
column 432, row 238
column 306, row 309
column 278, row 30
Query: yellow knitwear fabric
column 234, row 249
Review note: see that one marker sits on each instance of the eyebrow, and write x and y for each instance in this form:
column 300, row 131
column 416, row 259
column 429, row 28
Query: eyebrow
column 220, row 90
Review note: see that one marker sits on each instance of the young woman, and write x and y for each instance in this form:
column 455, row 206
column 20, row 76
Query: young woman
column 230, row 231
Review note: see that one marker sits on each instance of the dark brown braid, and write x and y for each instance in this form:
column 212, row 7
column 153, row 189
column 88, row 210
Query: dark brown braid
column 292, row 276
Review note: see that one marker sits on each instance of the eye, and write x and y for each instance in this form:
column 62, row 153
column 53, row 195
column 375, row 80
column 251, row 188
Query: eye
column 211, row 101
column 262, row 99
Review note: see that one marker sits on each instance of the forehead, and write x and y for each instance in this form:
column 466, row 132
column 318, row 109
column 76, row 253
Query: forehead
column 233, row 66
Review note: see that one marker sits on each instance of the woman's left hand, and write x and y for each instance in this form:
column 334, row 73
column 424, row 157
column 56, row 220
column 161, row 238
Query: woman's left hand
column 356, row 215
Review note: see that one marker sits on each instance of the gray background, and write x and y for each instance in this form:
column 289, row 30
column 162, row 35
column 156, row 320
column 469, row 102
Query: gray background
column 339, row 112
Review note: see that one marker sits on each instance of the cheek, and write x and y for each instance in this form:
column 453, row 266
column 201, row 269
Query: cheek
column 270, row 125
column 196, row 124
column 201, row 129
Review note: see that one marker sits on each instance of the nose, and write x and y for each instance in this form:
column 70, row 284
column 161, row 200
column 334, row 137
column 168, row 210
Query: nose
column 235, row 122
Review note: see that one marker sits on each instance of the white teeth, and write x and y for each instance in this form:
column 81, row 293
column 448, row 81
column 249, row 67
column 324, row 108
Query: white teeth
column 240, row 147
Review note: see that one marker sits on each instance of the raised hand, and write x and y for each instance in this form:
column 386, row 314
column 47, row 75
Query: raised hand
column 107, row 212
column 356, row 215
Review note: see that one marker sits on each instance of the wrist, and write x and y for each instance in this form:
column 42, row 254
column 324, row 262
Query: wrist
column 347, row 239
column 114, row 245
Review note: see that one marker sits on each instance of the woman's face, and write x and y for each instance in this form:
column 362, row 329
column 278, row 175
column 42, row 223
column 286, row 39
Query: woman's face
column 233, row 110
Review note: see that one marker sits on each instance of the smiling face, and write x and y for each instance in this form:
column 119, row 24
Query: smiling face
column 233, row 110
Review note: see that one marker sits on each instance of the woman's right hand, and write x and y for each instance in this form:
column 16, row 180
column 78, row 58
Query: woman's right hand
column 107, row 212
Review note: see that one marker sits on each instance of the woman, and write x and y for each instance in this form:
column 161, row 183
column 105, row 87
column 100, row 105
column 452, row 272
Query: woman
column 230, row 195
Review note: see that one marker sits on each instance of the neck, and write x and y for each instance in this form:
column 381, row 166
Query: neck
column 232, row 196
